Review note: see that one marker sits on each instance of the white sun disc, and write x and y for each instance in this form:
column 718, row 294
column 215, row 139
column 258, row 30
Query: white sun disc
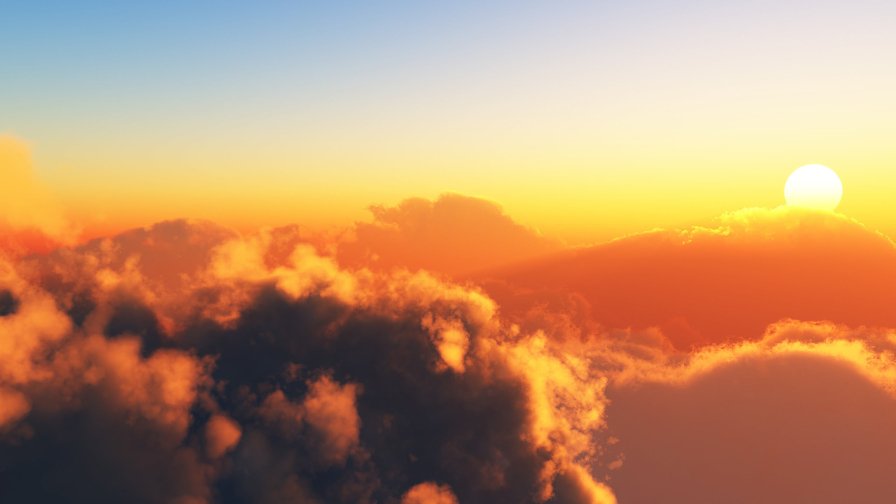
column 815, row 187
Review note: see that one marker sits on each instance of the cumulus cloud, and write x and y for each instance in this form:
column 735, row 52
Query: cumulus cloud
column 410, row 415
column 452, row 235
column 328, row 414
column 221, row 435
column 429, row 493
column 239, row 373
column 71, row 396
column 30, row 219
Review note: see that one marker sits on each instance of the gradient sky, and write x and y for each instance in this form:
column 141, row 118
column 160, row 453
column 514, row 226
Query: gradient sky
column 586, row 120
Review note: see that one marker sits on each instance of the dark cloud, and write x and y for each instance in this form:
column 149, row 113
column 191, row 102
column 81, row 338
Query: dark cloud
column 415, row 417
column 8, row 303
column 101, row 424
column 233, row 372
column 129, row 317
column 99, row 453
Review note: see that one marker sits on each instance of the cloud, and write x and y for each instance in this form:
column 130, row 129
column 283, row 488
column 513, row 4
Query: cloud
column 578, row 485
column 330, row 411
column 70, row 395
column 190, row 366
column 194, row 364
column 805, row 414
column 329, row 414
column 414, row 405
column 13, row 406
column 98, row 400
column 28, row 333
column 703, row 286
column 30, row 218
column 429, row 493
column 221, row 435
column 452, row 235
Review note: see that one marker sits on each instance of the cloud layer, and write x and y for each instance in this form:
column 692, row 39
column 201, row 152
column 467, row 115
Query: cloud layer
column 803, row 415
column 192, row 364
column 709, row 285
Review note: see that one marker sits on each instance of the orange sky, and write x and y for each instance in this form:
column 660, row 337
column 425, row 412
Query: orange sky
column 587, row 121
column 629, row 203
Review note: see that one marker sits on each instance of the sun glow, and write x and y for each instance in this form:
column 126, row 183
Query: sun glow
column 815, row 187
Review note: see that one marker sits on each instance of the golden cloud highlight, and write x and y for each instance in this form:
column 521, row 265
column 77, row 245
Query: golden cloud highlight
column 30, row 218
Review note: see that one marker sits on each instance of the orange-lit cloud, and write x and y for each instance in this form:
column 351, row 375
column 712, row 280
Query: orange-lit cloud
column 429, row 493
column 270, row 368
column 289, row 369
column 221, row 435
column 453, row 234
column 13, row 406
column 69, row 393
column 803, row 414
column 708, row 285
column 329, row 414
column 30, row 219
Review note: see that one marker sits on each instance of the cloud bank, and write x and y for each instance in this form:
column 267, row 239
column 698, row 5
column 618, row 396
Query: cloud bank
column 192, row 364
column 706, row 285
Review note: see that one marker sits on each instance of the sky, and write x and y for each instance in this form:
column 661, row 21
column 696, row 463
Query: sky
column 585, row 120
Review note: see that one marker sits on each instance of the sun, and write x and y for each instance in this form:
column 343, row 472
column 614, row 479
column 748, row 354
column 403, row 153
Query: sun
column 813, row 186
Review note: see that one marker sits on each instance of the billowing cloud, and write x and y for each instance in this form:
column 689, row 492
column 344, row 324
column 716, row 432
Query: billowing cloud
column 181, row 355
column 327, row 417
column 70, row 396
column 30, row 219
column 429, row 493
column 362, row 376
column 221, row 435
